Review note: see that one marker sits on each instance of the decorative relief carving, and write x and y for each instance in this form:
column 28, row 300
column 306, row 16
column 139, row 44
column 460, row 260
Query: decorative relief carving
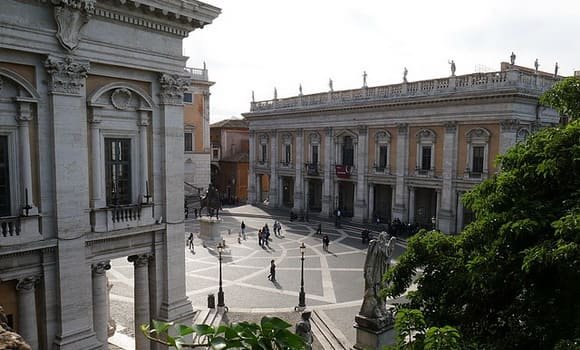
column 509, row 125
column 264, row 139
column 121, row 98
column 141, row 260
column 26, row 284
column 24, row 113
column 478, row 135
column 70, row 17
column 286, row 139
column 450, row 127
column 426, row 135
column 66, row 76
column 314, row 138
column 383, row 136
column 101, row 267
column 402, row 128
column 172, row 88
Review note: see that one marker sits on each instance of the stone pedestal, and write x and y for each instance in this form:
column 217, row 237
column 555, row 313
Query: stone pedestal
column 373, row 333
column 209, row 230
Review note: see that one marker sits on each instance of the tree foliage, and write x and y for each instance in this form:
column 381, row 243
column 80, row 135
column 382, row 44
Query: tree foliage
column 271, row 334
column 564, row 97
column 511, row 279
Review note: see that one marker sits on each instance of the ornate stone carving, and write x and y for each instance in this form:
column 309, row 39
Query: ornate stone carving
column 402, row 128
column 286, row 139
column 509, row 125
column 101, row 267
column 314, row 138
column 172, row 88
column 141, row 260
column 70, row 17
column 26, row 284
column 264, row 139
column 24, row 112
column 383, row 136
column 66, row 76
column 121, row 98
column 450, row 127
column 426, row 135
column 478, row 135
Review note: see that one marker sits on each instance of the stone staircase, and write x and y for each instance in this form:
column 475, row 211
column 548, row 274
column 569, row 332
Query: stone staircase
column 210, row 317
column 326, row 333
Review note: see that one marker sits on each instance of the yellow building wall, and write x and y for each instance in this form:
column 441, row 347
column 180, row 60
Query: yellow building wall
column 193, row 115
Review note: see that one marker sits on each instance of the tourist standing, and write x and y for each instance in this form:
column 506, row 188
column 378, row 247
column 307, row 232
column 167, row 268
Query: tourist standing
column 325, row 243
column 243, row 226
column 272, row 275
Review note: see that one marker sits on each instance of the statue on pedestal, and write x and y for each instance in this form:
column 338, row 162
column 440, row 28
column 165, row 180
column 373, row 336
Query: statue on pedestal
column 536, row 64
column 452, row 63
column 304, row 330
column 405, row 71
column 513, row 58
column 211, row 201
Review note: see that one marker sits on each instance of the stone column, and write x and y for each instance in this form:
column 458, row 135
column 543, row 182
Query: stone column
column 175, row 305
column 251, row 173
column 459, row 213
column 360, row 207
column 328, row 163
column 299, row 176
column 206, row 140
column 98, row 199
column 27, row 310
column 411, row 205
column 23, row 118
column 400, row 209
column 100, row 305
column 371, row 202
column 145, row 187
column 141, row 295
column 445, row 214
column 507, row 135
column 273, row 193
column 66, row 78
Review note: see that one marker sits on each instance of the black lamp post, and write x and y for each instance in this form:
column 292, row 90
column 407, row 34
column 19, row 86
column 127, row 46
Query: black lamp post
column 221, row 302
column 302, row 295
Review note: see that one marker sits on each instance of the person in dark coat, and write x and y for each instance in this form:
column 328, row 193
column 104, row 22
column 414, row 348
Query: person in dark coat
column 272, row 275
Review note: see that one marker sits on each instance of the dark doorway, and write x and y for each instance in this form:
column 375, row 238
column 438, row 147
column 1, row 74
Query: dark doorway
column 346, row 198
column 315, row 195
column 382, row 203
column 288, row 191
column 425, row 207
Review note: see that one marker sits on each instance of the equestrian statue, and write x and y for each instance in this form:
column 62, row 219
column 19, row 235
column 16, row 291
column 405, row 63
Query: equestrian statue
column 211, row 201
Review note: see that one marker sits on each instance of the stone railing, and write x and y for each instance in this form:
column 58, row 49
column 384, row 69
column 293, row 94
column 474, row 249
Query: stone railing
column 510, row 79
column 121, row 217
column 197, row 73
column 19, row 229
column 313, row 169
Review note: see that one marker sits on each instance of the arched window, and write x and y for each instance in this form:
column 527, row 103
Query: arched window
column 348, row 151
column 426, row 140
column 382, row 147
column 286, row 149
column 263, row 159
column 477, row 153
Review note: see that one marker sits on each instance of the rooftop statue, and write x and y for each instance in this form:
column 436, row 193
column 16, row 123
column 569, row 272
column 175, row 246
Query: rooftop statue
column 513, row 58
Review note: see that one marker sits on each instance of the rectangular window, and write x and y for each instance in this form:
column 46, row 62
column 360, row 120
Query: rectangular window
column 348, row 151
column 383, row 156
column 118, row 171
column 4, row 178
column 426, row 158
column 188, row 141
column 477, row 166
column 314, row 154
column 287, row 154
column 187, row 97
column 216, row 154
column 264, row 153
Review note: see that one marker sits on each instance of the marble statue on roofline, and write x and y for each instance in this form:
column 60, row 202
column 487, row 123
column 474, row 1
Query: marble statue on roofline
column 405, row 71
column 513, row 58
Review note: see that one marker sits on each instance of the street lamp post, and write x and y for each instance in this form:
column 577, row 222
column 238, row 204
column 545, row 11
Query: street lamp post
column 302, row 295
column 221, row 302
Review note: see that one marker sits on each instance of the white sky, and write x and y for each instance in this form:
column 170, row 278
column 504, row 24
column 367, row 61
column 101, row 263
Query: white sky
column 261, row 44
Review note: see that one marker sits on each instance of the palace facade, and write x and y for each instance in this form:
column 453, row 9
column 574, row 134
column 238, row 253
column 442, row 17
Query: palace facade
column 91, row 162
column 406, row 151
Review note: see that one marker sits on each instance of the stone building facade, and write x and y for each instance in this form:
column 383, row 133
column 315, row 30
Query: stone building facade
column 196, row 130
column 406, row 151
column 229, row 159
column 91, row 162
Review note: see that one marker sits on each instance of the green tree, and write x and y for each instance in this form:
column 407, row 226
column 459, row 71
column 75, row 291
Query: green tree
column 564, row 97
column 511, row 279
column 271, row 334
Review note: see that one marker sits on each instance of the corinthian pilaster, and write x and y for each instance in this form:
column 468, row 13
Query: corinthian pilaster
column 66, row 76
column 172, row 88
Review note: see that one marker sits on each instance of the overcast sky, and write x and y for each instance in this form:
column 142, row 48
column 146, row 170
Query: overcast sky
column 261, row 44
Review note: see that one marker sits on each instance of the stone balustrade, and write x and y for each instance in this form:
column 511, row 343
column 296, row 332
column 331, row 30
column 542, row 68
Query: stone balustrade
column 19, row 229
column 507, row 79
column 121, row 217
column 197, row 73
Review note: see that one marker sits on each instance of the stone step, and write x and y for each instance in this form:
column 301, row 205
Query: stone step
column 327, row 333
column 210, row 317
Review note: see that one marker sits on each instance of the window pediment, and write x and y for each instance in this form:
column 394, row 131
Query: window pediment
column 478, row 135
column 426, row 136
column 383, row 136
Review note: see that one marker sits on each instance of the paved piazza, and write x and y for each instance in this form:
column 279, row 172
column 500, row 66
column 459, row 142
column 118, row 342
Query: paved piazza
column 333, row 280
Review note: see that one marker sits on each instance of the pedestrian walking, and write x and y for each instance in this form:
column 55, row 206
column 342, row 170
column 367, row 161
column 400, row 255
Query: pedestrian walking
column 319, row 229
column 325, row 243
column 243, row 227
column 190, row 241
column 272, row 275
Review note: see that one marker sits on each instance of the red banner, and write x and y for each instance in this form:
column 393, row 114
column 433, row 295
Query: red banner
column 343, row 171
